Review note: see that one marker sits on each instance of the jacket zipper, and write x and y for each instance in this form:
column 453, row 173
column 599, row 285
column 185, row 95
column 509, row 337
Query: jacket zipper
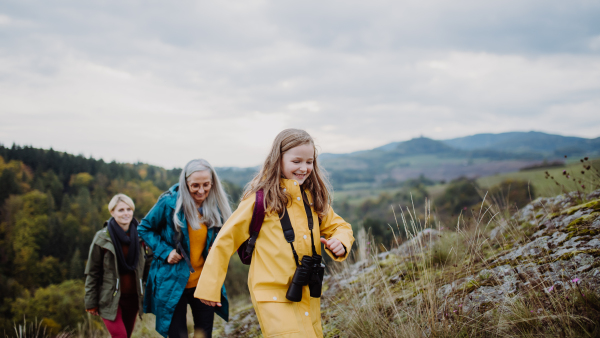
column 116, row 288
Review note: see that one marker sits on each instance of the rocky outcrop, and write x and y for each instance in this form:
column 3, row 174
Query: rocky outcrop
column 562, row 250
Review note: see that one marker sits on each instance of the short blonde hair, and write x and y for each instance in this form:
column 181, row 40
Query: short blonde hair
column 120, row 198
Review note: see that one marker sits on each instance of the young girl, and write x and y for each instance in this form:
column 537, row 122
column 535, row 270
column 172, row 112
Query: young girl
column 289, row 170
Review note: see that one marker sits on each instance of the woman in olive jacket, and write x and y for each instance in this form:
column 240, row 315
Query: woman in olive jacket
column 115, row 270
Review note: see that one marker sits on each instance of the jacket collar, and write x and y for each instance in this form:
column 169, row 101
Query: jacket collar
column 294, row 189
column 290, row 185
column 104, row 240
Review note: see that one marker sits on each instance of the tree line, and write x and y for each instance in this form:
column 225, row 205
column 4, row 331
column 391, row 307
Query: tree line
column 51, row 205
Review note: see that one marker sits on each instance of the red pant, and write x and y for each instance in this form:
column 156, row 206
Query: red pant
column 122, row 326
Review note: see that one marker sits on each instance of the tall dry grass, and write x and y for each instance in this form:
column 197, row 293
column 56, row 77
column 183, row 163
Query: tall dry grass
column 398, row 295
column 89, row 327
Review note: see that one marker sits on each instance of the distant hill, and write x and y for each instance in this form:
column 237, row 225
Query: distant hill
column 237, row 176
column 472, row 156
column 386, row 166
column 532, row 141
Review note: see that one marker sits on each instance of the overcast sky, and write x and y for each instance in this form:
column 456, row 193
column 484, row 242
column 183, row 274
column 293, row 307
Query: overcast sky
column 167, row 81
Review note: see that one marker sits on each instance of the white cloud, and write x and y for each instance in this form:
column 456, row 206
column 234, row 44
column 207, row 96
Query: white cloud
column 595, row 43
column 5, row 20
column 164, row 82
column 311, row 106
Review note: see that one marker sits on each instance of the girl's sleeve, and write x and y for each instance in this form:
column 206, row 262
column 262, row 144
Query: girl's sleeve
column 233, row 234
column 333, row 226
column 150, row 227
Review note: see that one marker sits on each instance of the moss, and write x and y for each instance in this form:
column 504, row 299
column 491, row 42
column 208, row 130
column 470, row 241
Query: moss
column 511, row 262
column 553, row 215
column 595, row 204
column 490, row 282
column 335, row 332
column 583, row 233
column 528, row 228
column 569, row 255
column 471, row 286
column 526, row 225
column 579, row 226
column 584, row 220
column 391, row 260
column 484, row 275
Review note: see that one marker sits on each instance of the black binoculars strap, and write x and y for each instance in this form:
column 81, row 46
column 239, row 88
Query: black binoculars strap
column 310, row 221
column 288, row 230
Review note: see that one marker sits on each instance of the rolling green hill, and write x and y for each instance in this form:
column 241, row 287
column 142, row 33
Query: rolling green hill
column 532, row 141
column 472, row 156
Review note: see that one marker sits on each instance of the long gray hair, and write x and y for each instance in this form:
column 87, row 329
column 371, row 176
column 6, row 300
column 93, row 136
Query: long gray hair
column 215, row 201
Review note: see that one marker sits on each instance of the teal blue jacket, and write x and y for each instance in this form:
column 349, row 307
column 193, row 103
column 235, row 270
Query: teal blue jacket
column 166, row 282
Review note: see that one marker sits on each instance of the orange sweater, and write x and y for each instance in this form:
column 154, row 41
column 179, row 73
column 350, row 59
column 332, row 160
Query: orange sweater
column 197, row 245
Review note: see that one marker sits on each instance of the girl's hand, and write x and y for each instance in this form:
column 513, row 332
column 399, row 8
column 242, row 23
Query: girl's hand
column 334, row 245
column 174, row 257
column 93, row 312
column 209, row 303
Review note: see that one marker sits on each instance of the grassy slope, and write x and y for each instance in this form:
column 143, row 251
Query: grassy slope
column 543, row 187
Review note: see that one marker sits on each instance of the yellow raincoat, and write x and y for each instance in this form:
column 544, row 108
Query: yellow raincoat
column 273, row 265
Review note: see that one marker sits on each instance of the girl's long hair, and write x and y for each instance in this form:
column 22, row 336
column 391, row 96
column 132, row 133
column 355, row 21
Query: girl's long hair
column 215, row 202
column 268, row 177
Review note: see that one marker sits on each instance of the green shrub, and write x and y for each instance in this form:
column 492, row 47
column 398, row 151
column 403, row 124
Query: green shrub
column 511, row 193
column 59, row 306
column 460, row 194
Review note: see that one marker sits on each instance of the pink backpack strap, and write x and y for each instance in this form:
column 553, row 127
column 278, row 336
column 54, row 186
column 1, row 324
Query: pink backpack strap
column 258, row 217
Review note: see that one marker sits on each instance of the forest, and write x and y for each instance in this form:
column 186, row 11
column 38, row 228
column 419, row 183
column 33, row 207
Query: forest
column 52, row 205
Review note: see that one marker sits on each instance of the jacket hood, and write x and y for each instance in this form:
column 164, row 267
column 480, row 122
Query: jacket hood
column 170, row 196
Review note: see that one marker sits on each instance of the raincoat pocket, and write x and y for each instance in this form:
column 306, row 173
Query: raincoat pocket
column 277, row 314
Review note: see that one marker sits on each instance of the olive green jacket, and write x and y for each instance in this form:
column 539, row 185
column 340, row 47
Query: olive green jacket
column 102, row 276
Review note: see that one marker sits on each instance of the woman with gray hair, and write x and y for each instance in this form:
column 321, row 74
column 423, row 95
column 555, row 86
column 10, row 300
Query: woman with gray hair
column 180, row 229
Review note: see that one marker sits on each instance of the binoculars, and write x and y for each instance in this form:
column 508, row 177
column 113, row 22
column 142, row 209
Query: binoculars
column 310, row 271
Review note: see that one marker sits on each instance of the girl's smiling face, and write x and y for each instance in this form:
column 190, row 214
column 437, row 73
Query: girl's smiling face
column 297, row 163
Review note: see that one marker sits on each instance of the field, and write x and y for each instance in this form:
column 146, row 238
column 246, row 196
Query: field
column 543, row 187
column 359, row 192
